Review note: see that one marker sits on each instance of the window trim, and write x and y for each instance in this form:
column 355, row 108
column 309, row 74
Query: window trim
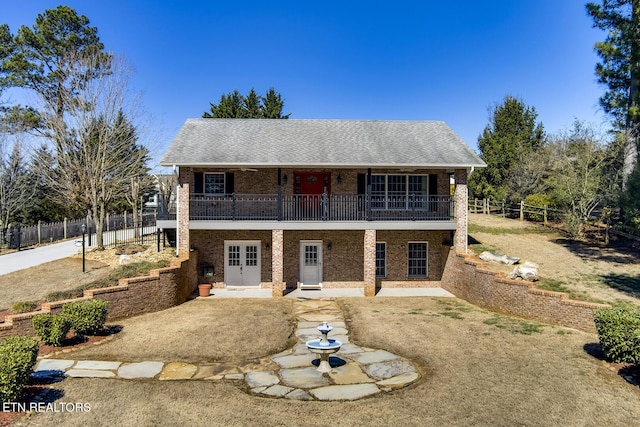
column 426, row 259
column 384, row 261
column 204, row 183
column 407, row 193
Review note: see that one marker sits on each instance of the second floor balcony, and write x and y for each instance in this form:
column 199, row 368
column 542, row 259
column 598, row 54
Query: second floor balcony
column 314, row 207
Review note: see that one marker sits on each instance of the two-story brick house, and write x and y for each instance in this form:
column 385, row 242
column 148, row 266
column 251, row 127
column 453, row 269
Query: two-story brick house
column 319, row 203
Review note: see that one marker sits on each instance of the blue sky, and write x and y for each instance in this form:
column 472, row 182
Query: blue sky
column 400, row 60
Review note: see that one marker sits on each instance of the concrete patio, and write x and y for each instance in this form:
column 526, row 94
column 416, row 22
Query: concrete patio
column 252, row 292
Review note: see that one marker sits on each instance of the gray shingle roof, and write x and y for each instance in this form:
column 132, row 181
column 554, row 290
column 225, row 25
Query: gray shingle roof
column 326, row 143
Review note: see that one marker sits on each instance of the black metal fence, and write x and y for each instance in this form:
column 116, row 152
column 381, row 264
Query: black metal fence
column 117, row 229
column 320, row 207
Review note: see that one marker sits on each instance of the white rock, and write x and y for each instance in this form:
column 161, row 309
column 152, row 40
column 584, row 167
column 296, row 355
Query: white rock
column 499, row 258
column 527, row 271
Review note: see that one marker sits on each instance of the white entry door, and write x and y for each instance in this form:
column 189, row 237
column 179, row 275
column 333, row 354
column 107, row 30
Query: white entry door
column 311, row 262
column 242, row 263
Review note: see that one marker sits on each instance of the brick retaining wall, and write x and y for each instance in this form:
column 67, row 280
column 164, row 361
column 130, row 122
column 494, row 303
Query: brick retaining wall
column 161, row 289
column 468, row 278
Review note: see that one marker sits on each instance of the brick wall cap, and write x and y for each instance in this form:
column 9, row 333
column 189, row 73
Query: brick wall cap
column 523, row 283
column 107, row 290
column 60, row 303
column 537, row 291
column 586, row 304
column 21, row 316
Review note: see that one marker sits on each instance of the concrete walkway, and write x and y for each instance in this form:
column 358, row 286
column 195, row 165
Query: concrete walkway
column 357, row 372
column 254, row 292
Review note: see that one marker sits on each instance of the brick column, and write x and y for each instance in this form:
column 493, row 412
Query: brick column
column 182, row 214
column 277, row 263
column 462, row 218
column 369, row 263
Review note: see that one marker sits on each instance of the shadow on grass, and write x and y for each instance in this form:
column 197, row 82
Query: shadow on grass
column 110, row 330
column 619, row 251
column 42, row 395
column 593, row 349
column 472, row 241
column 630, row 373
column 623, row 283
column 46, row 377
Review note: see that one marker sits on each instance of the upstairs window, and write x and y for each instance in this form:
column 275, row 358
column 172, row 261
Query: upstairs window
column 214, row 183
column 399, row 191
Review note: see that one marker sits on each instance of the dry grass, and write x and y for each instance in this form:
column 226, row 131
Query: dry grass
column 474, row 374
column 34, row 283
column 589, row 272
column 201, row 331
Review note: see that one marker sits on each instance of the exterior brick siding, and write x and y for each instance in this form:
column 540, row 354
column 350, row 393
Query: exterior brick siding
column 210, row 246
column 397, row 255
column 264, row 181
column 343, row 264
column 468, row 278
column 460, row 202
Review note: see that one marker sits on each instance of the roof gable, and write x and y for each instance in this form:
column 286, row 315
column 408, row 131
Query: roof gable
column 326, row 143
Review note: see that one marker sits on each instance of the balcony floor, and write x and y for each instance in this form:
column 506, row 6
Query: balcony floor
column 322, row 225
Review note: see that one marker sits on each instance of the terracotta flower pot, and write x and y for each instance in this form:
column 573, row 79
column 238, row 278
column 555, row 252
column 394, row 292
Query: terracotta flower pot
column 204, row 290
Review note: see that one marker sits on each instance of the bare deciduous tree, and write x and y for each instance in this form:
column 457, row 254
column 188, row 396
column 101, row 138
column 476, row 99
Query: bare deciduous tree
column 166, row 192
column 579, row 185
column 140, row 185
column 94, row 163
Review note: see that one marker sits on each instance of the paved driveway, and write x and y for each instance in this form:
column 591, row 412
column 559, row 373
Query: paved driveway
column 31, row 257
column 27, row 258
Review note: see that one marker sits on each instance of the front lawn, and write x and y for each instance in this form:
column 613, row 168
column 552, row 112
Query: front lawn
column 479, row 368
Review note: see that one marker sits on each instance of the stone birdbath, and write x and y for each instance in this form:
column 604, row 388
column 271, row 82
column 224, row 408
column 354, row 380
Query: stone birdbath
column 324, row 347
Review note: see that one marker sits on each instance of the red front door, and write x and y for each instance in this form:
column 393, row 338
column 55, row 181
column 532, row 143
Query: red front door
column 310, row 186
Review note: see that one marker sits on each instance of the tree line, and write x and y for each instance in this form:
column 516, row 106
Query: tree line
column 90, row 158
column 576, row 170
column 581, row 168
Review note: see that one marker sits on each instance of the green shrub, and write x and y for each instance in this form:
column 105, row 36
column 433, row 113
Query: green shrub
column 619, row 333
column 24, row 306
column 51, row 328
column 87, row 317
column 17, row 358
column 539, row 200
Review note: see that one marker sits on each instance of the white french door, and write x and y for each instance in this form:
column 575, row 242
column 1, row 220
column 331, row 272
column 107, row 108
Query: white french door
column 311, row 262
column 242, row 263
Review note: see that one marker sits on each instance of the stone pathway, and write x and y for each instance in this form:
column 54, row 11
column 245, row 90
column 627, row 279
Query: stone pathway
column 357, row 372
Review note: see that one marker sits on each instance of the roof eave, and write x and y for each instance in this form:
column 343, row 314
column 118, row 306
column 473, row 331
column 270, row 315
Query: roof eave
column 324, row 165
